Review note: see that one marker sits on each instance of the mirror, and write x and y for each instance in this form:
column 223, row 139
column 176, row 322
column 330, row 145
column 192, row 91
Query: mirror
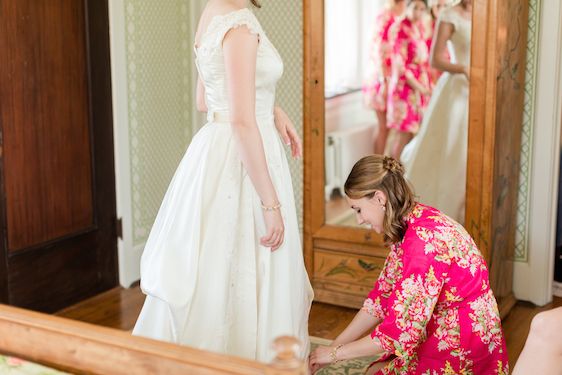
column 392, row 86
column 342, row 258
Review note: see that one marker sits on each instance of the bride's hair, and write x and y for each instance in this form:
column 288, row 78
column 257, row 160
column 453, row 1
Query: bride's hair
column 382, row 173
column 255, row 3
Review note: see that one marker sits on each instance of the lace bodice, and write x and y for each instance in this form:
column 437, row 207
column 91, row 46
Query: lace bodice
column 210, row 63
column 460, row 40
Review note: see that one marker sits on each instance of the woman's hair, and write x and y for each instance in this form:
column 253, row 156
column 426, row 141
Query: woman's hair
column 255, row 3
column 382, row 173
column 432, row 3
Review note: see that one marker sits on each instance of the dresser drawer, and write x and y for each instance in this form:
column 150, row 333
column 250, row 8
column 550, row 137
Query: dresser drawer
column 350, row 274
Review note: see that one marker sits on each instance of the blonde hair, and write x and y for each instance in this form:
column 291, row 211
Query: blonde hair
column 382, row 173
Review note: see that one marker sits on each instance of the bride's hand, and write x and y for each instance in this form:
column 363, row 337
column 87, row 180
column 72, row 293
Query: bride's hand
column 466, row 72
column 275, row 229
column 288, row 132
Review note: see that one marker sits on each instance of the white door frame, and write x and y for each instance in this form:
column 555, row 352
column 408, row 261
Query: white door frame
column 129, row 258
column 532, row 281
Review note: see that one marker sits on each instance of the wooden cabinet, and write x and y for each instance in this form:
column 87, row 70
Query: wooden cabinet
column 342, row 261
column 58, row 240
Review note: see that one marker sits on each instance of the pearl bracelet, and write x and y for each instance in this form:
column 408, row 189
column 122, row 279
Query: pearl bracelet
column 271, row 208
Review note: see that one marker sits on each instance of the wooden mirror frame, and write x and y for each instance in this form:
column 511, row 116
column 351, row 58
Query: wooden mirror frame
column 499, row 40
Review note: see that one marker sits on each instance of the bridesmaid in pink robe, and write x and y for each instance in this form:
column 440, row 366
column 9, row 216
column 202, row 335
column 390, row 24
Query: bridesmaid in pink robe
column 375, row 90
column 432, row 310
column 409, row 86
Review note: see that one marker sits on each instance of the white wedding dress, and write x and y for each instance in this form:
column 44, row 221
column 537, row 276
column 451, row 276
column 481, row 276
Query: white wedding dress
column 435, row 160
column 209, row 283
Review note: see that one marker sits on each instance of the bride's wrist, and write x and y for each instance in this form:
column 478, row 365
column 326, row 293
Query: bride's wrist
column 271, row 207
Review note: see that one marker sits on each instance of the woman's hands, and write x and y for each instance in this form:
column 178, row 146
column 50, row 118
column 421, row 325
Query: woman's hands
column 424, row 90
column 416, row 84
column 364, row 347
column 319, row 358
column 287, row 132
column 275, row 229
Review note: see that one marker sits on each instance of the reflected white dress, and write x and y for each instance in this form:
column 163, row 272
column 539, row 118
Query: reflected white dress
column 209, row 283
column 435, row 160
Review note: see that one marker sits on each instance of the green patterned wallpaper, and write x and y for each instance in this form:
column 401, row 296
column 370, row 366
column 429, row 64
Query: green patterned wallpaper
column 159, row 68
column 521, row 233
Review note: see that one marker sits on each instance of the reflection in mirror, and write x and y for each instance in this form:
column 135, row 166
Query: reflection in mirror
column 396, row 82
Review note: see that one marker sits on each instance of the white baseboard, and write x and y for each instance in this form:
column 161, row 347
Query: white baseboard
column 129, row 263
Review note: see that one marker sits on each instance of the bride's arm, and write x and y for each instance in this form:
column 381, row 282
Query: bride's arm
column 437, row 57
column 240, row 48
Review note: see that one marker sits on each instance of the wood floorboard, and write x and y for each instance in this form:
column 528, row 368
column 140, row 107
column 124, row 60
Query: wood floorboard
column 119, row 308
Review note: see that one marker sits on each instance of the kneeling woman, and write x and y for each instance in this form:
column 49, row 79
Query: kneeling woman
column 432, row 308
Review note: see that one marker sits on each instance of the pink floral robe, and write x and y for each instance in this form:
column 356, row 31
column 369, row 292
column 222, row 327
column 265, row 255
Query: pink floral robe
column 406, row 105
column 438, row 314
column 375, row 89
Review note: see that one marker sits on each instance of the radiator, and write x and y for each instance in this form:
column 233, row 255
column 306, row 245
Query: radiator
column 343, row 149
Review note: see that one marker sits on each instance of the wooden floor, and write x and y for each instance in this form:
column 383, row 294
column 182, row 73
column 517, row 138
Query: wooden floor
column 119, row 308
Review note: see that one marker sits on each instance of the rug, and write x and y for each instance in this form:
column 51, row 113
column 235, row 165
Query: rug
column 16, row 366
column 356, row 366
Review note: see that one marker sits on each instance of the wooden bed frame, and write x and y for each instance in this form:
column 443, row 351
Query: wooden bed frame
column 82, row 348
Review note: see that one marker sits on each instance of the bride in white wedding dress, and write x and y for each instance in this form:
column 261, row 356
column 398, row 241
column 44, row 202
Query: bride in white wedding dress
column 223, row 268
column 435, row 160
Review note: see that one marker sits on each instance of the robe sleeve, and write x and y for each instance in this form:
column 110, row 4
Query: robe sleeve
column 411, row 303
column 376, row 301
